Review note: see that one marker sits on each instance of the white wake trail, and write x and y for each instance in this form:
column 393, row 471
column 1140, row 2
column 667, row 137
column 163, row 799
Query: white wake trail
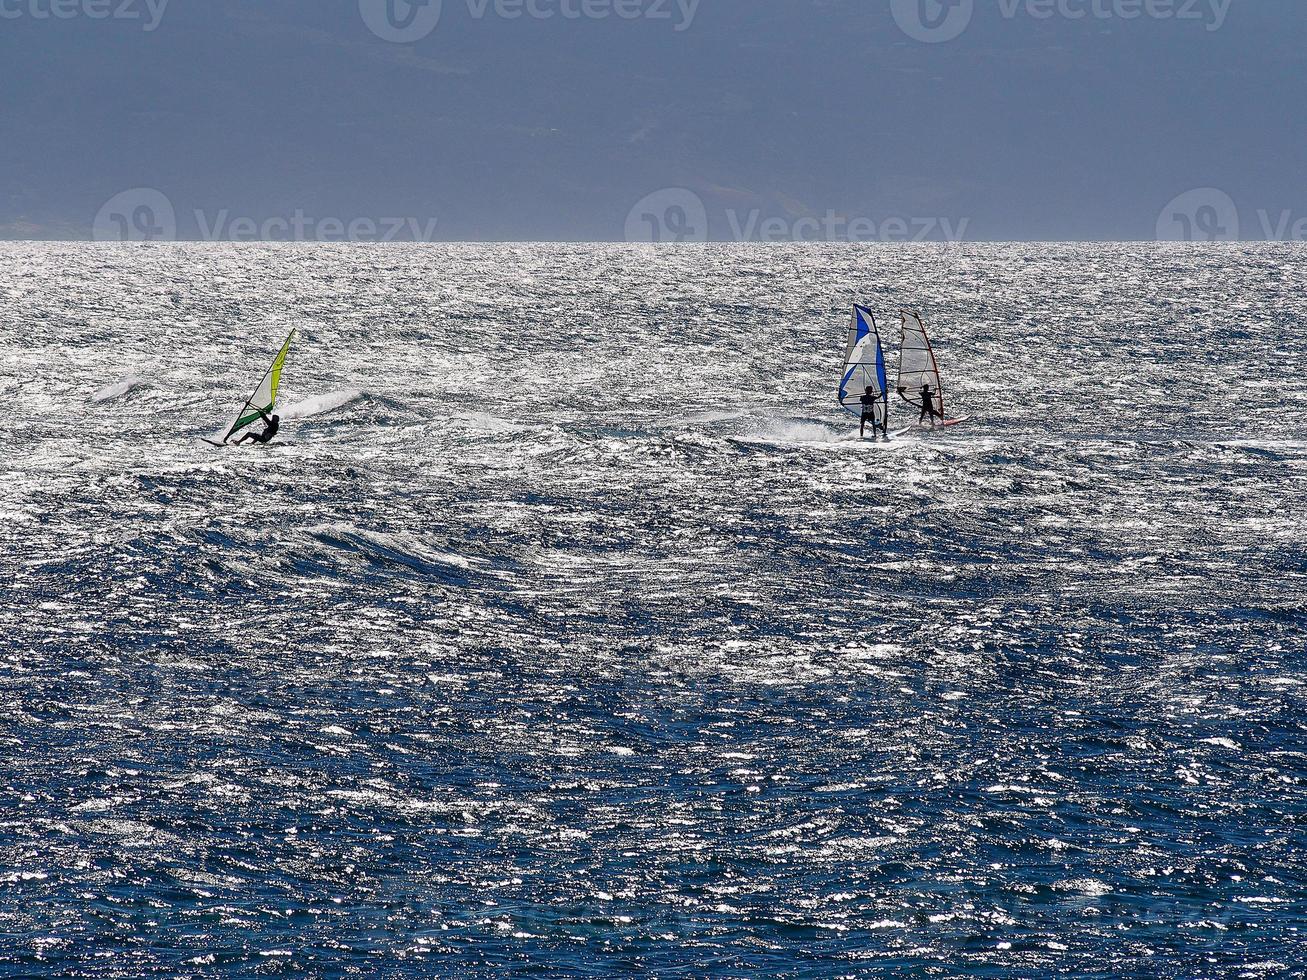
column 322, row 404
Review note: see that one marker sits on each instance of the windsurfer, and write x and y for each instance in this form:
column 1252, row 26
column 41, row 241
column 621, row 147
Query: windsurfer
column 869, row 402
column 271, row 422
column 928, row 406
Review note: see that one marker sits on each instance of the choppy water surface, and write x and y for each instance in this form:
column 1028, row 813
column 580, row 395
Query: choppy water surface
column 569, row 632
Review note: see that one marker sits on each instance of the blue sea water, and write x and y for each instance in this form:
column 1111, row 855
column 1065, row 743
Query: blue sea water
column 571, row 632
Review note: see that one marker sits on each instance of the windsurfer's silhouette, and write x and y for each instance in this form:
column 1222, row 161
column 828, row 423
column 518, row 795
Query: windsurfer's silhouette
column 928, row 407
column 869, row 402
column 271, row 422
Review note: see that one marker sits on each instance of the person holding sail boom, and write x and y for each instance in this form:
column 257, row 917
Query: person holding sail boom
column 259, row 405
column 271, row 424
column 928, row 406
column 862, row 382
column 869, row 401
column 919, row 380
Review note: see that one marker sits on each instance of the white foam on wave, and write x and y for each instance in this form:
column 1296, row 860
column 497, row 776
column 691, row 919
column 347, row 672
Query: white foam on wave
column 485, row 422
column 718, row 415
column 1225, row 743
column 1091, row 887
column 796, row 432
column 118, row 389
column 322, row 404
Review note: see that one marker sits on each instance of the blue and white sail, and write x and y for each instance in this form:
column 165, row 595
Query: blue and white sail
column 864, row 367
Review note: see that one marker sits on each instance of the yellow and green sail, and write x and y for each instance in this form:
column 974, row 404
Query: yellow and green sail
column 265, row 396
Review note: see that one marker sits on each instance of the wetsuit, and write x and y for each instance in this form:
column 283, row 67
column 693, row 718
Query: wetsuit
column 928, row 406
column 869, row 403
column 272, row 424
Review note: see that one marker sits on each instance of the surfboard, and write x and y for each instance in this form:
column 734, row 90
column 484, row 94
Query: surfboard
column 275, row 444
column 926, row 426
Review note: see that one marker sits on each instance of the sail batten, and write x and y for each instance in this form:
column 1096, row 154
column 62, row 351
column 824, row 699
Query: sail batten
column 917, row 365
column 264, row 398
column 864, row 366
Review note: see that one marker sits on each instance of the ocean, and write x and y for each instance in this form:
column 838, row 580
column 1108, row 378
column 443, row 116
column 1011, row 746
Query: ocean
column 569, row 630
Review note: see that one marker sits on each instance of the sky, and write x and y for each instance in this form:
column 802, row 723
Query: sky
column 668, row 120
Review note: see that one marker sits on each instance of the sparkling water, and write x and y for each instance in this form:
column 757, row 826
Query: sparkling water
column 569, row 629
